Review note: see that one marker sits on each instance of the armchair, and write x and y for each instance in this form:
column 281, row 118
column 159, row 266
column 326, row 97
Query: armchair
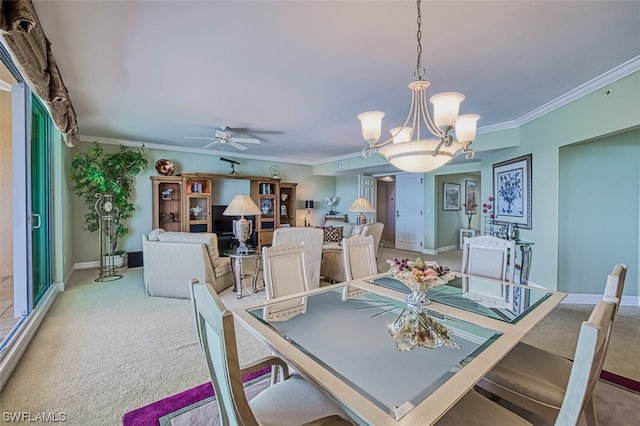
column 171, row 259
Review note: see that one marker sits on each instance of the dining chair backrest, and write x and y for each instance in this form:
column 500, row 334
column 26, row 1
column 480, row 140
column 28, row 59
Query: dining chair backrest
column 489, row 256
column 614, row 286
column 217, row 336
column 587, row 363
column 313, row 238
column 359, row 258
column 285, row 273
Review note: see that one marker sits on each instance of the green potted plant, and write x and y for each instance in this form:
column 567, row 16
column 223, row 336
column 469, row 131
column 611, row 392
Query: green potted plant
column 96, row 172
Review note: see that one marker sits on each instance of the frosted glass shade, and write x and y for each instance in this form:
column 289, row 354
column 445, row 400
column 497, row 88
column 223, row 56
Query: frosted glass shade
column 242, row 205
column 466, row 126
column 417, row 157
column 401, row 134
column 446, row 106
column 371, row 122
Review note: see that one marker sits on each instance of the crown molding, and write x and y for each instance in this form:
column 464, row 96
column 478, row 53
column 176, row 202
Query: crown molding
column 599, row 82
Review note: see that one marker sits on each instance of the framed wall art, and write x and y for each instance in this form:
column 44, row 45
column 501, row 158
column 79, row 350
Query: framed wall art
column 512, row 192
column 470, row 195
column 451, row 196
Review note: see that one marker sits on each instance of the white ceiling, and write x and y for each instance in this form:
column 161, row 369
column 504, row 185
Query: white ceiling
column 156, row 71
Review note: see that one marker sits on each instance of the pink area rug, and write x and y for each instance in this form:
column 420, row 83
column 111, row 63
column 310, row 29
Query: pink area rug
column 150, row 414
column 190, row 406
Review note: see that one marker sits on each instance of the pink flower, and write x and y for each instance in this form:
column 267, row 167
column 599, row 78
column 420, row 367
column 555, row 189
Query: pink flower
column 484, row 210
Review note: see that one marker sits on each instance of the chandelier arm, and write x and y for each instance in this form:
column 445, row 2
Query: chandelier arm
column 436, row 151
column 469, row 154
column 426, row 117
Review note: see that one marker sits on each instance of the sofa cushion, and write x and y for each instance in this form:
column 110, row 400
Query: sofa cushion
column 332, row 235
column 347, row 228
column 209, row 240
column 154, row 234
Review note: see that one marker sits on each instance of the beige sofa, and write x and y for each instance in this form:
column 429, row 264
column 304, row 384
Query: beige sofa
column 332, row 266
column 172, row 259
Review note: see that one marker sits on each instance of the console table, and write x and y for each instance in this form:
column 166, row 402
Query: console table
column 466, row 232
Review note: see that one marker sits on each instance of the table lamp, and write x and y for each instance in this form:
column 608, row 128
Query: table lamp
column 362, row 205
column 308, row 204
column 242, row 205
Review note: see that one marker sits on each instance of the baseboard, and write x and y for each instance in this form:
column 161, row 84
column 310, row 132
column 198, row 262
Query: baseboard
column 67, row 278
column 87, row 265
column 440, row 250
column 10, row 359
column 592, row 299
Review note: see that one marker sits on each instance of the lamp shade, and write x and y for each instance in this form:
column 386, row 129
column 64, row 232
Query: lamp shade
column 362, row 205
column 242, row 205
column 445, row 108
column 308, row 204
column 371, row 122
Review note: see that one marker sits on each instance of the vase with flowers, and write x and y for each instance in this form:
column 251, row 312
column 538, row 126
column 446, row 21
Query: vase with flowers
column 469, row 211
column 331, row 201
column 414, row 327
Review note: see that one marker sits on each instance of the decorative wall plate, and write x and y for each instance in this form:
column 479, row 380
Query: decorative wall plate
column 165, row 167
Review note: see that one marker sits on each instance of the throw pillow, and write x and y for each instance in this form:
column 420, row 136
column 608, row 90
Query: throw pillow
column 154, row 235
column 332, row 234
column 358, row 230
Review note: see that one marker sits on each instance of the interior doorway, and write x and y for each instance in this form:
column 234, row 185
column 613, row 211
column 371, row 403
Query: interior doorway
column 386, row 208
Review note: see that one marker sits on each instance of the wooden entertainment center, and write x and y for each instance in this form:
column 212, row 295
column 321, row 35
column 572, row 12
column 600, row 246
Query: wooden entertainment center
column 183, row 203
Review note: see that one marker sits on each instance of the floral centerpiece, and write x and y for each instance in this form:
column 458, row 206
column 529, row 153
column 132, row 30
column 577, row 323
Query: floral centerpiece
column 414, row 327
column 331, row 201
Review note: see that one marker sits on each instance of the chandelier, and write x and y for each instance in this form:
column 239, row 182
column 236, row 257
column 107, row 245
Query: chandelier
column 406, row 148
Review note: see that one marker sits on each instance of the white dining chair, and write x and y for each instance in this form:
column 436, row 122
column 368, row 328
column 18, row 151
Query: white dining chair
column 535, row 379
column 285, row 273
column 359, row 257
column 312, row 238
column 490, row 257
column 292, row 401
column 476, row 409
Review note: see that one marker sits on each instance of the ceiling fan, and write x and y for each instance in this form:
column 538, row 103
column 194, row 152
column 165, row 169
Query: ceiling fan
column 224, row 137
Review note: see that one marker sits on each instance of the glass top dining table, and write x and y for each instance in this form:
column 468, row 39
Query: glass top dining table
column 344, row 344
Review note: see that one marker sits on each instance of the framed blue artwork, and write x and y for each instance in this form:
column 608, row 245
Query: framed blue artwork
column 512, row 192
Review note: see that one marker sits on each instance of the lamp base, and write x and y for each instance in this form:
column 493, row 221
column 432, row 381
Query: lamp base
column 242, row 248
column 242, row 231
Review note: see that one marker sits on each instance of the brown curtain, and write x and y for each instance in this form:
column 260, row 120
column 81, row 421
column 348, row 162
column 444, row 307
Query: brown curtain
column 24, row 38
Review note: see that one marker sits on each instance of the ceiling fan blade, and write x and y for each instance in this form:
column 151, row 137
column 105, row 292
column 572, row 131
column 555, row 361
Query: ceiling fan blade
column 198, row 137
column 237, row 146
column 210, row 144
column 246, row 140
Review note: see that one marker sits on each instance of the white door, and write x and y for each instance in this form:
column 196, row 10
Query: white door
column 409, row 206
column 367, row 189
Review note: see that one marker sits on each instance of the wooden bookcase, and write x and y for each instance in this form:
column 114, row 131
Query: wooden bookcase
column 266, row 194
column 287, row 204
column 187, row 208
column 168, row 193
column 197, row 205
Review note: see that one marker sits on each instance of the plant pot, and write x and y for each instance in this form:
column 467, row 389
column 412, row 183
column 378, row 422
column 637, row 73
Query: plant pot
column 116, row 261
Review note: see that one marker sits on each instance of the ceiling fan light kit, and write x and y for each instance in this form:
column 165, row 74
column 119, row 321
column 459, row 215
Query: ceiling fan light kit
column 223, row 137
column 420, row 155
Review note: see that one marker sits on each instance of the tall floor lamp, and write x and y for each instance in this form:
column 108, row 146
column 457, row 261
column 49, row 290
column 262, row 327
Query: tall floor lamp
column 362, row 205
column 242, row 205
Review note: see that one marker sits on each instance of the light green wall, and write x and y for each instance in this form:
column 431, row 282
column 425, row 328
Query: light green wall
column 598, row 212
column 63, row 218
column 589, row 117
column 85, row 244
